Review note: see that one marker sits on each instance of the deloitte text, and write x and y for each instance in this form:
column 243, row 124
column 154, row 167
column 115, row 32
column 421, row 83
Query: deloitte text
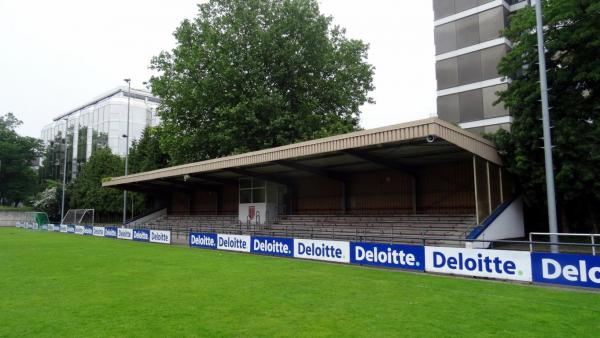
column 233, row 242
column 500, row 264
column 125, row 233
column 273, row 246
column 203, row 240
column 110, row 232
column 332, row 251
column 566, row 269
column 160, row 236
column 99, row 231
column 141, row 235
column 393, row 256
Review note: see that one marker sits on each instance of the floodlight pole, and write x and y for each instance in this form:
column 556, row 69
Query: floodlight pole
column 126, row 150
column 62, row 207
column 553, row 227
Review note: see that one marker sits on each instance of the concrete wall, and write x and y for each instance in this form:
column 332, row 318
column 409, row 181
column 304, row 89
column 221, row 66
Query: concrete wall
column 509, row 224
column 446, row 188
column 10, row 218
column 443, row 188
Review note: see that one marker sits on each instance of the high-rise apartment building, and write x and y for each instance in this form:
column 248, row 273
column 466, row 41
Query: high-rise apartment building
column 101, row 122
column 469, row 46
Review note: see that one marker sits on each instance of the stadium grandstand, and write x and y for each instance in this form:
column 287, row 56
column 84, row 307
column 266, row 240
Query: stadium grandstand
column 406, row 183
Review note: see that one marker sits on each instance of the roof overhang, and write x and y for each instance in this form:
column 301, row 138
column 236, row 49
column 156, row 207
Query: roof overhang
column 403, row 146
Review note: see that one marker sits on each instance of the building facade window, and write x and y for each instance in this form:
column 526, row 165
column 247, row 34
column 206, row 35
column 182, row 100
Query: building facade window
column 490, row 58
column 97, row 125
column 447, row 73
column 467, row 31
column 469, row 68
column 471, row 105
column 490, row 108
column 252, row 190
column 448, row 108
column 471, row 30
column 444, row 8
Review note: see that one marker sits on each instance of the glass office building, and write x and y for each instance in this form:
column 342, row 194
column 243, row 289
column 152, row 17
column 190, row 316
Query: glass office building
column 102, row 122
column 469, row 46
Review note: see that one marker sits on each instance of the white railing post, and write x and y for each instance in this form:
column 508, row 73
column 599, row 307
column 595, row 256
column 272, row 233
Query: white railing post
column 530, row 242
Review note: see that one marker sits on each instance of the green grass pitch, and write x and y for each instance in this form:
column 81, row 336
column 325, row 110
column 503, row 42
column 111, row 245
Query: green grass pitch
column 65, row 285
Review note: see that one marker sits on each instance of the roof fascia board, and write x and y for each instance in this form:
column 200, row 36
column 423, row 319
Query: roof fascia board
column 360, row 139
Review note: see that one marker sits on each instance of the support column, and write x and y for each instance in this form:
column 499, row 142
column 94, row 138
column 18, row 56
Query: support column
column 291, row 200
column 414, row 195
column 188, row 199
column 475, row 185
column 344, row 199
column 501, row 186
column 489, row 187
column 219, row 200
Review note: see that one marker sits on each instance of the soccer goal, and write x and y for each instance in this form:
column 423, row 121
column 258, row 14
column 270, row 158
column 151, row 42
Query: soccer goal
column 79, row 217
column 32, row 220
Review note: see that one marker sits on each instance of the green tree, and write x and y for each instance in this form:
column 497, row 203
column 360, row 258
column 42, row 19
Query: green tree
column 86, row 190
column 49, row 200
column 253, row 74
column 145, row 154
column 572, row 37
column 18, row 181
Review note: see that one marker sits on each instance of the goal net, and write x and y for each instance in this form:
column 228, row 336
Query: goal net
column 79, row 217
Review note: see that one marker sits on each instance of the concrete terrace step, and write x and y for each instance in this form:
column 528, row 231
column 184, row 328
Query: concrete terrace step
column 407, row 229
column 382, row 219
column 376, row 225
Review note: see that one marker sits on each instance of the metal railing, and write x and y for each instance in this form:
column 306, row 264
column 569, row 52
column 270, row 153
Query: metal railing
column 591, row 236
column 357, row 235
column 393, row 236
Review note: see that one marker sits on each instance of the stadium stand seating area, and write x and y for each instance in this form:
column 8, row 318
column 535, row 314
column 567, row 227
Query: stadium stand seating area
column 406, row 229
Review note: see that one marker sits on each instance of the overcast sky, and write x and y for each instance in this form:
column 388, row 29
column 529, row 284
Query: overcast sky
column 56, row 55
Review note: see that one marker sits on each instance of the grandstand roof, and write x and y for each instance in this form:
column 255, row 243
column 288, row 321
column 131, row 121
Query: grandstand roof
column 403, row 145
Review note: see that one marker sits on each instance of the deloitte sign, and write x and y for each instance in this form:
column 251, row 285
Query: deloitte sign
column 322, row 250
column 141, row 235
column 125, row 233
column 566, row 269
column 233, row 242
column 88, row 230
column 273, row 246
column 203, row 240
column 98, row 231
column 500, row 264
column 388, row 255
column 160, row 236
column 548, row 268
column 110, row 232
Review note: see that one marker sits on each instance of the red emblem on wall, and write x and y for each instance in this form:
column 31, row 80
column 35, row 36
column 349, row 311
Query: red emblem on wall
column 251, row 212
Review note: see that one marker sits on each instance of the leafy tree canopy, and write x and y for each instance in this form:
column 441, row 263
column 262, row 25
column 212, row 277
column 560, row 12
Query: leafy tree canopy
column 49, row 201
column 86, row 190
column 18, row 181
column 145, row 154
column 572, row 37
column 253, row 74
